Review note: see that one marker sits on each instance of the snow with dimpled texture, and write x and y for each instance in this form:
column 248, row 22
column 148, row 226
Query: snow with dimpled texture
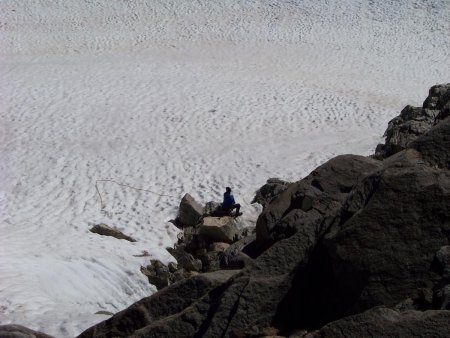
column 174, row 97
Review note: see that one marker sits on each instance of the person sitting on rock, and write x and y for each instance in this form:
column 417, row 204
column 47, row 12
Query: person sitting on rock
column 229, row 203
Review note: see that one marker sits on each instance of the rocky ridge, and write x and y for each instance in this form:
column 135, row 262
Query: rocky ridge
column 358, row 247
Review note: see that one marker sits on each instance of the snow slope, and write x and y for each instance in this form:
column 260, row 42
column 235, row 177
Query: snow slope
column 171, row 97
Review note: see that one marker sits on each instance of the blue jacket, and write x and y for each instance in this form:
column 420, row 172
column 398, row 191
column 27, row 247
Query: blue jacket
column 228, row 200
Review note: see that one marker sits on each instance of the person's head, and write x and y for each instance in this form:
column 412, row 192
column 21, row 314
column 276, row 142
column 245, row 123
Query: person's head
column 228, row 189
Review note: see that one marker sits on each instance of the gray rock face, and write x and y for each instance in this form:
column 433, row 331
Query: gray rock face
column 161, row 275
column 234, row 257
column 175, row 311
column 189, row 212
column 384, row 322
column 157, row 273
column 390, row 229
column 443, row 259
column 435, row 144
column 414, row 122
column 307, row 201
column 381, row 247
column 404, row 129
column 213, row 209
column 441, row 296
column 185, row 260
column 218, row 247
column 219, row 229
column 105, row 230
column 438, row 97
column 18, row 331
column 269, row 191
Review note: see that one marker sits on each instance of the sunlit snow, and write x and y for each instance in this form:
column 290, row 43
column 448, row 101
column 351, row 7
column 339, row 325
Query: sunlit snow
column 172, row 97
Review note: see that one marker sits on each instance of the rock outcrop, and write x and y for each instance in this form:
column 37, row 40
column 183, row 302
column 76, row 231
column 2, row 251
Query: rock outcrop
column 219, row 229
column 384, row 322
column 201, row 247
column 313, row 200
column 414, row 121
column 359, row 247
column 161, row 275
column 106, row 230
column 177, row 311
column 189, row 212
column 269, row 191
column 18, row 331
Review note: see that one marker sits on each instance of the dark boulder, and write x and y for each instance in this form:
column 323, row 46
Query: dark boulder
column 175, row 311
column 269, row 191
column 157, row 273
column 391, row 227
column 105, row 230
column 18, row 331
column 414, row 121
column 438, row 97
column 214, row 209
column 314, row 198
column 404, row 129
column 434, row 146
column 184, row 259
column 218, row 229
column 234, row 257
column 189, row 212
column 441, row 295
column 443, row 261
column 384, row 322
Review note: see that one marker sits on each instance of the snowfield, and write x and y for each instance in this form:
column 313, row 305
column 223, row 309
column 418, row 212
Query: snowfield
column 172, row 97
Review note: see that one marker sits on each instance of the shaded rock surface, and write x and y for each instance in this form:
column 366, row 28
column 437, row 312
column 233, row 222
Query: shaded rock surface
column 106, row 230
column 381, row 250
column 173, row 312
column 315, row 199
column 269, row 191
column 219, row 229
column 355, row 234
column 414, row 121
column 441, row 295
column 161, row 275
column 18, row 331
column 185, row 260
column 212, row 208
column 189, row 212
column 434, row 145
column 200, row 249
column 234, row 256
column 443, row 260
column 384, row 322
